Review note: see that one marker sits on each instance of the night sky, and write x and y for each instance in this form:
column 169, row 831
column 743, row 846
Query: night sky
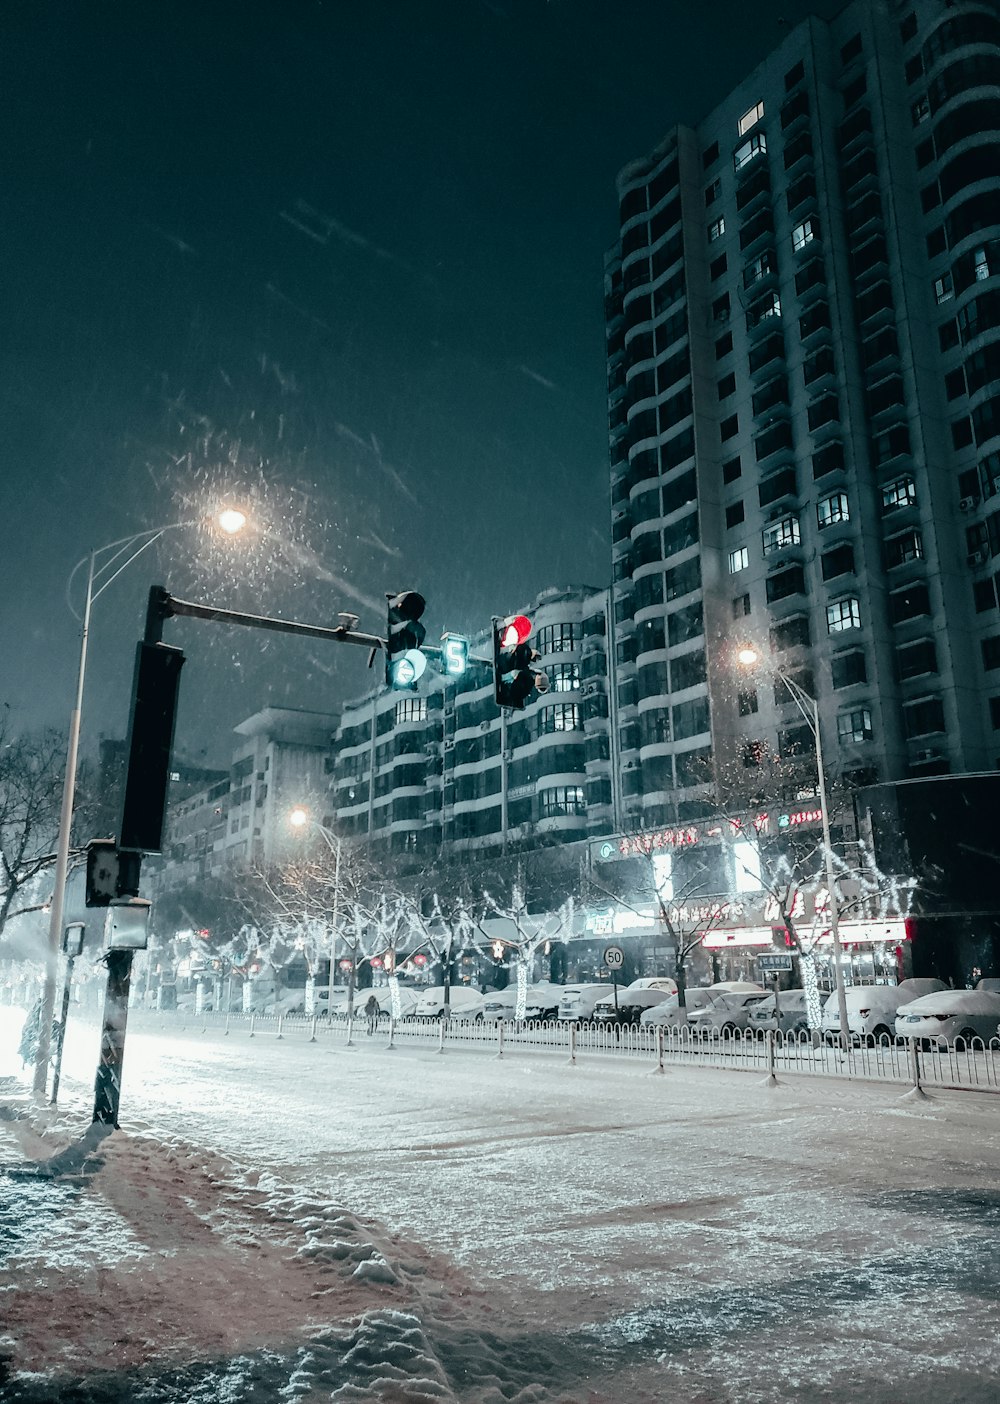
column 340, row 262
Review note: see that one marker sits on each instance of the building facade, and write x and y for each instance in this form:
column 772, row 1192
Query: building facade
column 803, row 342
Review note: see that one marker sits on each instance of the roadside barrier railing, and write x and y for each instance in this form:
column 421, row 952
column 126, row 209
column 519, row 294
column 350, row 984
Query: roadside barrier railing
column 774, row 1055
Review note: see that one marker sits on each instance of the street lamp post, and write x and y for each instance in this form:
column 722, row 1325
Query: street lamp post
column 299, row 819
column 100, row 574
column 809, row 708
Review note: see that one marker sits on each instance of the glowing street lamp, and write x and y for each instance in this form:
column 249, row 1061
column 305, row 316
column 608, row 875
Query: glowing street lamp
column 104, row 565
column 749, row 657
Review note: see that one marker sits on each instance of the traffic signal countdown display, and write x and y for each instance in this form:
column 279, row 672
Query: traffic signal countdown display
column 404, row 663
column 515, row 681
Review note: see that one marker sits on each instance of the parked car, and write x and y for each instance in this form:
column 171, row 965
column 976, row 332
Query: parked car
column 871, row 1009
column 791, row 1018
column 541, row 1002
column 626, row 1007
column 464, row 1003
column 990, row 983
column 951, row 1017
column 696, row 996
column 725, row 1014
column 576, row 1003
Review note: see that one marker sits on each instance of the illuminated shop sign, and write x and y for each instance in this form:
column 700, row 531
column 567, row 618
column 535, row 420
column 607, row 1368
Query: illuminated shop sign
column 652, row 841
column 852, row 933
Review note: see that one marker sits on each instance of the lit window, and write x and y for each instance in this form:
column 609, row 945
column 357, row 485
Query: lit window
column 981, row 265
column 842, row 615
column 716, row 229
column 751, row 117
column 769, row 306
column 803, row 234
column 760, row 268
column 832, row 509
column 744, row 154
column 944, row 289
column 781, row 534
column 411, row 709
column 920, row 111
column 564, row 677
column 900, row 549
column 738, row 560
column 855, row 726
column 901, row 493
column 746, row 866
column 561, row 800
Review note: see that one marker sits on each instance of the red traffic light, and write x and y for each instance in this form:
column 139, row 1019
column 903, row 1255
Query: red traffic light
column 515, row 631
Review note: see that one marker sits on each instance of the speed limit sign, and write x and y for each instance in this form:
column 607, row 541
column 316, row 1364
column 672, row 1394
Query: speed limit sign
column 614, row 957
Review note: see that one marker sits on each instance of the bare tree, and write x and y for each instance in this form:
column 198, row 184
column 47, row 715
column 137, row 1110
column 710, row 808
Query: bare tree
column 31, row 776
column 531, row 931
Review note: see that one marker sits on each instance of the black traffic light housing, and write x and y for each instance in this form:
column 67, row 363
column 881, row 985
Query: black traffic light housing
column 404, row 662
column 151, row 737
column 515, row 680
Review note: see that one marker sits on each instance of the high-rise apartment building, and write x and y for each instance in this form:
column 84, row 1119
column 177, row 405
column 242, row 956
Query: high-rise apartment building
column 803, row 337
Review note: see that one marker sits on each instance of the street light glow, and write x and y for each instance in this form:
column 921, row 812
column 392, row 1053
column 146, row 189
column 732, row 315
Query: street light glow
column 747, row 657
column 231, row 520
column 298, row 818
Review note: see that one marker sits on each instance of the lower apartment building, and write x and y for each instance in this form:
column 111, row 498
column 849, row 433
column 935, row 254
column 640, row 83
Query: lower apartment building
column 442, row 770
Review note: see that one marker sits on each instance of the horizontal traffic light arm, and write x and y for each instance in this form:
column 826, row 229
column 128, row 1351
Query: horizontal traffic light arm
column 168, row 606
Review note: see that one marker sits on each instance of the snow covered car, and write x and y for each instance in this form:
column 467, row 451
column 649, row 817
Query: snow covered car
column 464, row 1003
column 990, row 983
column 632, row 999
column 541, row 1002
column 668, row 1013
column 577, row 1002
column 792, row 1018
column 725, row 1014
column 871, row 1009
column 951, row 1017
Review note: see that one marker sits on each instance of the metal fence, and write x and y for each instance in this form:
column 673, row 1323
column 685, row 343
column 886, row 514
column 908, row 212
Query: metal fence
column 976, row 1067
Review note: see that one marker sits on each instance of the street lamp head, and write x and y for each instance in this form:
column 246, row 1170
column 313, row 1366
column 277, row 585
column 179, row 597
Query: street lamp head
column 298, row 817
column 747, row 657
column 231, row 520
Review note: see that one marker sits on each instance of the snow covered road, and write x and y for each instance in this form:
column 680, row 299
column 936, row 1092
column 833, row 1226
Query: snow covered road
column 542, row 1232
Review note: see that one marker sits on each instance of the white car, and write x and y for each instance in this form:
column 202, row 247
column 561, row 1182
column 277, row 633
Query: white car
column 990, row 983
column 696, row 996
column 792, row 1017
column 577, row 1002
column 725, row 1014
column 463, row 1003
column 632, row 999
column 541, row 1002
column 871, row 1009
column 951, row 1016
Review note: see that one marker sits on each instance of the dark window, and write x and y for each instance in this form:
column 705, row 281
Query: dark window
column 747, row 702
column 794, row 75
column 936, row 242
column 961, row 432
column 687, row 671
column 690, row 718
column 735, row 514
column 720, row 308
column 710, row 154
column 910, row 602
column 848, row 669
column 784, row 483
column 991, row 653
column 908, row 28
column 828, row 459
column 731, row 470
column 684, row 624
column 924, row 718
column 766, row 351
column 948, row 335
column 741, row 606
column 723, row 346
column 954, row 383
column 816, row 319
column 930, row 197
column 839, row 561
column 823, row 411
column 727, row 386
column 790, row 633
column 729, row 428
column 786, row 582
column 852, row 49
column 916, row 659
column 914, row 69
column 717, row 267
column 779, row 436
